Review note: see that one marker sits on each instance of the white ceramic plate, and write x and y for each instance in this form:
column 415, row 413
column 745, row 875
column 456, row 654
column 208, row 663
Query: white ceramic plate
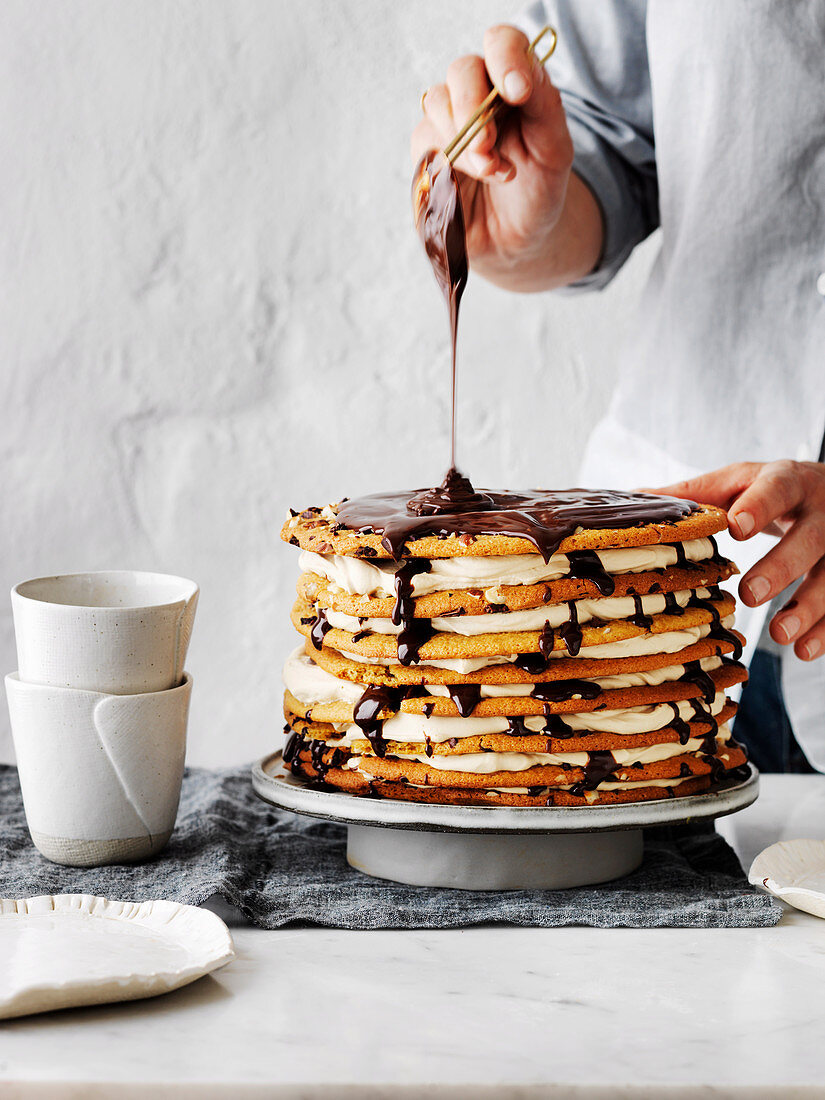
column 65, row 950
column 273, row 784
column 793, row 870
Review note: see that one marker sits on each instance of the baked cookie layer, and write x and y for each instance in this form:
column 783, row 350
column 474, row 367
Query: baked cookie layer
column 518, row 706
column 442, row 646
column 314, row 588
column 317, row 529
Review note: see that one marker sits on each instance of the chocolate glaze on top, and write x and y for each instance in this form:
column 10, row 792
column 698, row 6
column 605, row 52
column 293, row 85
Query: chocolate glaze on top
column 543, row 517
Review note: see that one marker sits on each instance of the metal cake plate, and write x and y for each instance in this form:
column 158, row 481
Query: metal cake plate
column 494, row 847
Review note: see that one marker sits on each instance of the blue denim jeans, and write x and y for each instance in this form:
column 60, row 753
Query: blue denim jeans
column 762, row 724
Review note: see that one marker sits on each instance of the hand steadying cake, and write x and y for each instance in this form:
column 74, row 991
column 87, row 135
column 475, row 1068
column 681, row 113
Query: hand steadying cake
column 726, row 358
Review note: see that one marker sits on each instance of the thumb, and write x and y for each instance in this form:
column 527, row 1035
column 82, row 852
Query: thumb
column 541, row 133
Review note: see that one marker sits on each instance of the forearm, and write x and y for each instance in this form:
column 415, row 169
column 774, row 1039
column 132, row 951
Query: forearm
column 564, row 253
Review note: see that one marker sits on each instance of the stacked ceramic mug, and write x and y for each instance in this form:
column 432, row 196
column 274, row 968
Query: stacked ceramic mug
column 99, row 708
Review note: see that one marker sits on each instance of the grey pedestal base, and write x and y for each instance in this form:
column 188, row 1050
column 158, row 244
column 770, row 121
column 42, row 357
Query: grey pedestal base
column 473, row 861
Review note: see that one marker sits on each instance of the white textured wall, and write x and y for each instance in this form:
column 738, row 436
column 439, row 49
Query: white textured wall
column 213, row 305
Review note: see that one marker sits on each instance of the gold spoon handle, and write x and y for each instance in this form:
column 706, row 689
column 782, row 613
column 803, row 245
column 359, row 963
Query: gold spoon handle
column 492, row 103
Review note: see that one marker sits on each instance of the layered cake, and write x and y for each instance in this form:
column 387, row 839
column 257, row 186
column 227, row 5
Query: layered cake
column 521, row 649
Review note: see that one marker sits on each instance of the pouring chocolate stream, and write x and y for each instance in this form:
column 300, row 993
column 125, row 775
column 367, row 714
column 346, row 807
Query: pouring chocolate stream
column 543, row 517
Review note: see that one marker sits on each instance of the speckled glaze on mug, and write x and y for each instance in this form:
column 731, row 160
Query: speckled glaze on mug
column 121, row 632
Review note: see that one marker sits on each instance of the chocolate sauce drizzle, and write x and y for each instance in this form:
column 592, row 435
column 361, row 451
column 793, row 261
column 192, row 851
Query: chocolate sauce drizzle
column 704, row 716
column 365, row 713
column 414, row 632
column 531, row 663
column 465, row 697
column 679, row 725
column 547, row 642
column 412, row 637
column 695, row 674
column 294, row 743
column 672, row 605
column 570, row 632
column 559, row 691
column 297, row 743
column 586, row 565
column 543, row 517
column 708, row 746
column 682, row 559
column 319, row 628
column 718, row 632
column 638, row 618
column 556, row 726
column 600, row 766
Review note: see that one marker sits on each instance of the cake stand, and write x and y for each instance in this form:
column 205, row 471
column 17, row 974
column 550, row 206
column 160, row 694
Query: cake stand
column 494, row 847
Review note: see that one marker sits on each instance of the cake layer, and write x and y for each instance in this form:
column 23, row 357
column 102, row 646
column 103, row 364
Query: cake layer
column 377, row 579
column 337, row 701
column 554, row 736
column 601, row 609
column 331, row 699
column 602, row 773
column 605, row 793
column 569, row 639
column 403, row 725
column 321, row 531
column 640, row 654
column 477, row 601
column 311, row 683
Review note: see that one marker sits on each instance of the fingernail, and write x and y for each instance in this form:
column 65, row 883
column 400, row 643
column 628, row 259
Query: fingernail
column 789, row 626
column 514, row 85
column 757, row 588
column 811, row 648
column 504, row 175
column 744, row 523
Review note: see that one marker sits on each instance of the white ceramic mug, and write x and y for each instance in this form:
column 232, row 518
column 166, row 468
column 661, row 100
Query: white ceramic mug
column 120, row 632
column 100, row 774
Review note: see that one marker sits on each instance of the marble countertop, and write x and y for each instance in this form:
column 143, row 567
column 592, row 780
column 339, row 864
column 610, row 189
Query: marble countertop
column 482, row 1012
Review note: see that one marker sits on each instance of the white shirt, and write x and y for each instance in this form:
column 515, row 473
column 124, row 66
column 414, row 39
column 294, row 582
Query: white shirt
column 708, row 118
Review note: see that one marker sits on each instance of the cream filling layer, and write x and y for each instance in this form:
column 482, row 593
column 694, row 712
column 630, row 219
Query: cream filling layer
column 486, row 763
column 610, row 608
column 311, row 684
column 670, row 641
column 359, row 577
column 625, row 721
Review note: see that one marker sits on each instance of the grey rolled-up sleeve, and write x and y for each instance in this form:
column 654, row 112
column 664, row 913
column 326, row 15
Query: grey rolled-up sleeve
column 600, row 66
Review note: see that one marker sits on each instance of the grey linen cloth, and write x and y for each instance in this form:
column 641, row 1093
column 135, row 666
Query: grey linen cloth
column 280, row 869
